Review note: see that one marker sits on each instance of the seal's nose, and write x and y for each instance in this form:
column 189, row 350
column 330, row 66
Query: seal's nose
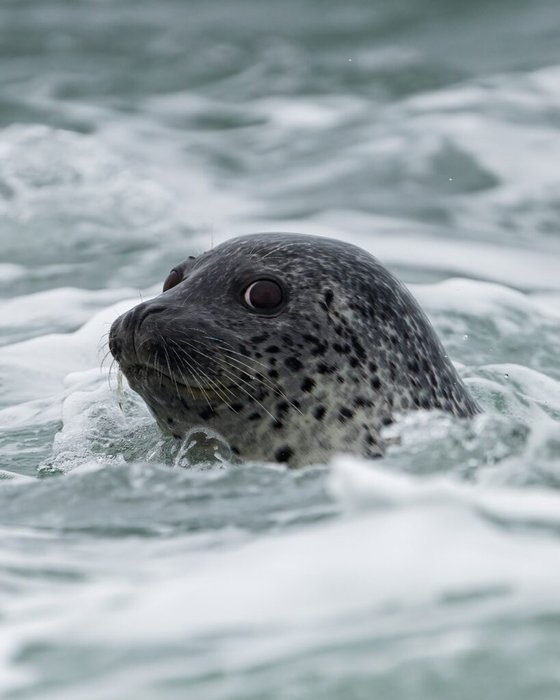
column 124, row 331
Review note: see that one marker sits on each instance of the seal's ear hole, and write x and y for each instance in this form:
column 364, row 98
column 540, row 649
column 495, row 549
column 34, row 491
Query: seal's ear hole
column 264, row 295
column 172, row 280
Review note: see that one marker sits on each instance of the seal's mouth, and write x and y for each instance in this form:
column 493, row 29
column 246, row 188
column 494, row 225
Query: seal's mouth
column 195, row 390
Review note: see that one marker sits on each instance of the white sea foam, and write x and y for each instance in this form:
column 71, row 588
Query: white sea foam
column 404, row 548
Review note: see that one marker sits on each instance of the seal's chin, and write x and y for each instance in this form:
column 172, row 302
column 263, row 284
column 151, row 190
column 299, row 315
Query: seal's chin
column 144, row 378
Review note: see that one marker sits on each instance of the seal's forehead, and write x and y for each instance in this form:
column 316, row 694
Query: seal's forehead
column 282, row 248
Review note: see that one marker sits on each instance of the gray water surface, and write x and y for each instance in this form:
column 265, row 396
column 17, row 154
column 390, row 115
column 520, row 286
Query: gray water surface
column 134, row 133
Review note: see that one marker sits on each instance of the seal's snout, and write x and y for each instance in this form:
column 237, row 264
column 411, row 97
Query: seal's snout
column 125, row 336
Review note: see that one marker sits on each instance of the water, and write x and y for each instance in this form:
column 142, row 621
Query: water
column 134, row 133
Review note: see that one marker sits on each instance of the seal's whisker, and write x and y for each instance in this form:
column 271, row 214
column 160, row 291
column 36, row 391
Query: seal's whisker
column 265, row 382
column 243, row 366
column 167, row 350
column 258, row 377
column 231, row 350
column 280, row 247
column 236, row 379
column 171, row 375
column 246, row 391
column 212, row 384
column 215, row 384
column 236, row 382
column 104, row 359
column 103, row 341
column 110, row 373
column 193, row 375
column 230, row 375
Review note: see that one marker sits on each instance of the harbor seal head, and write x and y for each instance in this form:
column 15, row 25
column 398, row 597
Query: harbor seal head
column 291, row 347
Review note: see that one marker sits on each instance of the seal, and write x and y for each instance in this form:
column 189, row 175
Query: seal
column 292, row 347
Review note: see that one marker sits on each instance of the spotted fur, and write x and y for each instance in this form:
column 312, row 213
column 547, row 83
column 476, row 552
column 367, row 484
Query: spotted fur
column 350, row 349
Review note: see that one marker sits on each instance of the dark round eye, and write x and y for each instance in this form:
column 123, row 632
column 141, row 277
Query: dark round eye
column 264, row 295
column 172, row 279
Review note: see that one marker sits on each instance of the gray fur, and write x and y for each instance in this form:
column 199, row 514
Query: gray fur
column 351, row 349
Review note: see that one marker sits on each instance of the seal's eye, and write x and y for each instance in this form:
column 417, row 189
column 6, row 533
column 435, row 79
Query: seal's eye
column 172, row 280
column 264, row 295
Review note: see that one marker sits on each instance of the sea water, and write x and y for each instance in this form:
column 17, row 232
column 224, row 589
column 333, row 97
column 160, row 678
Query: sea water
column 134, row 133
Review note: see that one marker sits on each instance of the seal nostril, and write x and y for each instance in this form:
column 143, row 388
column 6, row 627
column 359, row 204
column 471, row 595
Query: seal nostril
column 142, row 311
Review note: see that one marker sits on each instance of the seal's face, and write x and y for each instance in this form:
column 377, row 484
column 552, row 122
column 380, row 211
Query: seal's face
column 290, row 346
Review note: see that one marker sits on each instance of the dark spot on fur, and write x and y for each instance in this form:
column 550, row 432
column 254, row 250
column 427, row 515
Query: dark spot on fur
column 319, row 346
column 341, row 349
column 344, row 414
column 328, row 297
column 237, row 406
column 254, row 416
column 283, row 454
column 273, row 373
column 323, row 368
column 207, row 413
column 273, row 348
column 308, row 384
column 413, row 366
column 358, row 347
column 360, row 402
column 319, row 412
column 375, row 383
column 257, row 339
column 293, row 363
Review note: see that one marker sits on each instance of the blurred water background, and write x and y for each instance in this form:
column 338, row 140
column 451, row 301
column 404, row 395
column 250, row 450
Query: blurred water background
column 136, row 132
